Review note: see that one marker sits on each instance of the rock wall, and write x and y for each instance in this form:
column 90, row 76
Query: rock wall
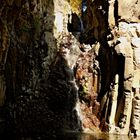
column 65, row 68
column 38, row 93
column 115, row 33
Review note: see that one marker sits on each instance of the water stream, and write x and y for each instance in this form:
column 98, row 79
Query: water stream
column 79, row 113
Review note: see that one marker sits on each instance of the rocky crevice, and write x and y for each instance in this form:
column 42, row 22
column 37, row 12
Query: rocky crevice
column 53, row 52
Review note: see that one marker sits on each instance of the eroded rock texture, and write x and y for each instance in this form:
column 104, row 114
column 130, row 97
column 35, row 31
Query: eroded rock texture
column 38, row 93
column 67, row 68
column 118, row 63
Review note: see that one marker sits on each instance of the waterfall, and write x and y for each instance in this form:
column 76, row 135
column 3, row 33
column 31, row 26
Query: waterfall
column 74, row 116
column 84, row 5
column 81, row 24
column 78, row 111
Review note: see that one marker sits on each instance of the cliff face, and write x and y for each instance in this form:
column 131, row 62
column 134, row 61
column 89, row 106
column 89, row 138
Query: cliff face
column 37, row 93
column 115, row 30
column 64, row 67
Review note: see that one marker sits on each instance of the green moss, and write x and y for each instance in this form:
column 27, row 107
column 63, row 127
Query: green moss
column 84, row 91
column 36, row 23
column 24, row 28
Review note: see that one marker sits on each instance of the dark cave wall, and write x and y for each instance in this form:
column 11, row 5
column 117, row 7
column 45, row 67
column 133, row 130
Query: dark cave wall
column 37, row 91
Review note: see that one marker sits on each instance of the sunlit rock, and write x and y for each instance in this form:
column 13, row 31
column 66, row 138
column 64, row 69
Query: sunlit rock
column 68, row 67
column 129, row 10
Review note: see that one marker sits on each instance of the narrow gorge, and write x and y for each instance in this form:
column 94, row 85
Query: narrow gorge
column 69, row 66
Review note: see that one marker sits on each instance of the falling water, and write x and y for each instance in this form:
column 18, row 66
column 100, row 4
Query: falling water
column 84, row 5
column 81, row 24
column 79, row 115
column 78, row 111
column 74, row 115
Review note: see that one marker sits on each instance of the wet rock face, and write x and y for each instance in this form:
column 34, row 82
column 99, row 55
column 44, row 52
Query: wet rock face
column 50, row 108
column 87, row 79
column 37, row 88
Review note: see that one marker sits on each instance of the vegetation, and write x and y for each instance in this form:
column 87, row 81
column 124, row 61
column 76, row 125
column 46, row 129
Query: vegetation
column 76, row 6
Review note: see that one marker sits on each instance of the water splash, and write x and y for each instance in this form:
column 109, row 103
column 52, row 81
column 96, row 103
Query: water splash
column 77, row 108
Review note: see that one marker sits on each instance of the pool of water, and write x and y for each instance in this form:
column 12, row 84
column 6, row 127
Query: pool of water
column 80, row 136
column 71, row 136
column 83, row 136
